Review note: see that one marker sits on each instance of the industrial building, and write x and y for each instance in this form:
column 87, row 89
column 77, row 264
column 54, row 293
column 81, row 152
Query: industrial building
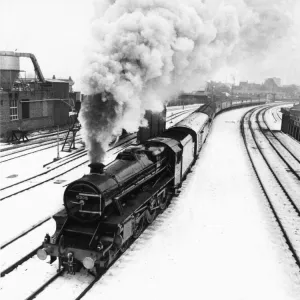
column 32, row 103
column 190, row 98
column 291, row 121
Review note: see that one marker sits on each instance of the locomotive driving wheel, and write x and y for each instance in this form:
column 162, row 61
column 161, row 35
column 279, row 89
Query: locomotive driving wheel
column 150, row 215
column 138, row 228
column 124, row 247
column 163, row 201
column 151, row 211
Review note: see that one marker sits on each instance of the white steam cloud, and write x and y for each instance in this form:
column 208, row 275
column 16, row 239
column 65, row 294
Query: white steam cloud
column 145, row 51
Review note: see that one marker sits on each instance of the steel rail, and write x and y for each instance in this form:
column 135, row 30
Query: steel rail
column 292, row 154
column 19, row 262
column 53, row 142
column 46, row 146
column 53, row 177
column 269, row 166
column 24, row 233
column 285, row 235
column 42, row 287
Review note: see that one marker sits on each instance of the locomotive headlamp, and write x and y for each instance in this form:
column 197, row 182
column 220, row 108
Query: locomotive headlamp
column 88, row 263
column 42, row 254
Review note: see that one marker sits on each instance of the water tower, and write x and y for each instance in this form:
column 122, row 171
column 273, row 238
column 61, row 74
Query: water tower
column 9, row 70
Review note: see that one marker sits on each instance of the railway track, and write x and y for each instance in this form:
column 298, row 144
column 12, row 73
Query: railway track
column 62, row 283
column 16, row 152
column 291, row 145
column 283, row 204
column 36, row 148
column 26, row 184
column 10, row 267
column 23, row 246
column 80, row 283
column 33, row 141
column 284, row 152
column 66, row 284
column 26, row 232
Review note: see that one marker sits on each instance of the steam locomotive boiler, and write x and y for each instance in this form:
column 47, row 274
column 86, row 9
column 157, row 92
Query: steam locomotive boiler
column 110, row 206
column 105, row 208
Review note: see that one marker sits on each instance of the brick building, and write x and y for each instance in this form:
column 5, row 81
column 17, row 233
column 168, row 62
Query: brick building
column 30, row 104
column 35, row 108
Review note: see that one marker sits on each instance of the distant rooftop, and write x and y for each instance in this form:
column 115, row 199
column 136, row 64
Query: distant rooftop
column 61, row 80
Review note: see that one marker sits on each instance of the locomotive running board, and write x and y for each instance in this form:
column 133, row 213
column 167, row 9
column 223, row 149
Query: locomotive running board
column 134, row 205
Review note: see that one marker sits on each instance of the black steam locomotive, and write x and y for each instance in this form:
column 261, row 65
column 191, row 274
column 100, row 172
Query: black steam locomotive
column 107, row 208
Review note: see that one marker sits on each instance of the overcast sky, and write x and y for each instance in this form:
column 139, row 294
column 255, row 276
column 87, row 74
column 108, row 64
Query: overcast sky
column 56, row 32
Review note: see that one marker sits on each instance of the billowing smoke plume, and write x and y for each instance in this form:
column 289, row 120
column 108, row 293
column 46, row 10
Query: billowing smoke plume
column 145, row 51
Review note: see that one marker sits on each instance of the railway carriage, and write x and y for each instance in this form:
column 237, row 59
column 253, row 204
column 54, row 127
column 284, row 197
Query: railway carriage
column 106, row 209
column 111, row 205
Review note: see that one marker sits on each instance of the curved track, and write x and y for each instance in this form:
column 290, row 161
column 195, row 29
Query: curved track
column 29, row 257
column 24, row 185
column 280, row 186
column 56, row 277
column 36, row 180
column 39, row 143
column 25, row 234
column 285, row 153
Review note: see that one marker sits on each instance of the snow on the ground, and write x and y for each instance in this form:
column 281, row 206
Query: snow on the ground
column 46, row 199
column 28, row 277
column 275, row 125
column 215, row 241
column 26, row 166
column 272, row 116
column 24, row 245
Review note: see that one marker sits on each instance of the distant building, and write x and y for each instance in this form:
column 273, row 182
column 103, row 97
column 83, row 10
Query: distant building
column 200, row 96
column 246, row 89
column 272, row 84
column 31, row 103
column 277, row 81
column 271, row 88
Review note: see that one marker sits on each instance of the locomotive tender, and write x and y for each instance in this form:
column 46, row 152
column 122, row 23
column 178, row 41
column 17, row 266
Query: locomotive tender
column 107, row 208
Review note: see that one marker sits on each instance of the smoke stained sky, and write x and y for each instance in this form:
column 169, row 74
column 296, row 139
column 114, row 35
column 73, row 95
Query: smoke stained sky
column 56, row 32
column 143, row 52
column 146, row 48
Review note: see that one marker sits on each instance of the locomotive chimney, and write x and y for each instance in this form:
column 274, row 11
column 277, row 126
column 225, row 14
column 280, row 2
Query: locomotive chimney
column 96, row 168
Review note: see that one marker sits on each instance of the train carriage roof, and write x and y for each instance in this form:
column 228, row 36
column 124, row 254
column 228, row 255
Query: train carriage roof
column 195, row 122
column 171, row 143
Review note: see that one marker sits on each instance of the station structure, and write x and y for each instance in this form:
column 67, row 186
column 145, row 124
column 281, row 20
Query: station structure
column 28, row 104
